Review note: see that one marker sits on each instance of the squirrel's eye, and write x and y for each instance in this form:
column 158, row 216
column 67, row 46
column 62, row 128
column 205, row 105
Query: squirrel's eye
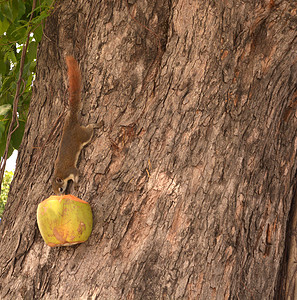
column 60, row 190
column 59, row 180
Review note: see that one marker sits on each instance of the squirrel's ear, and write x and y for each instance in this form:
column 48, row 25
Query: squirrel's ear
column 59, row 180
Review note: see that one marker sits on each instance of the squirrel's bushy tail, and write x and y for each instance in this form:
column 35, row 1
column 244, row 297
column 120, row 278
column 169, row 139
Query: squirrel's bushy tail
column 74, row 84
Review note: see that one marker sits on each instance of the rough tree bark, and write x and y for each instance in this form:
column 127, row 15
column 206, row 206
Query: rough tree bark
column 193, row 178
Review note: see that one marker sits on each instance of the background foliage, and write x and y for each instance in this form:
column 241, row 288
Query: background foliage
column 14, row 29
column 4, row 190
column 15, row 26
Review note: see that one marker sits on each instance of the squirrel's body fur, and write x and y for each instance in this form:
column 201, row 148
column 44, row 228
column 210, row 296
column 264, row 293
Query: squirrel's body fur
column 74, row 136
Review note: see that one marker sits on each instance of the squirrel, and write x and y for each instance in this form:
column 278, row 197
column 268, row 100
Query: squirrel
column 74, row 136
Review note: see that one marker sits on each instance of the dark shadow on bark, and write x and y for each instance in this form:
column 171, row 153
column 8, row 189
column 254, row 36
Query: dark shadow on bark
column 284, row 279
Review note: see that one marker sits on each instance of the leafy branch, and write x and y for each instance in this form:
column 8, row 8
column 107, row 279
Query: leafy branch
column 20, row 32
column 16, row 100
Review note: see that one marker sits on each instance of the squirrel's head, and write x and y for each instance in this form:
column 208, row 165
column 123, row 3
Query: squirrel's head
column 59, row 185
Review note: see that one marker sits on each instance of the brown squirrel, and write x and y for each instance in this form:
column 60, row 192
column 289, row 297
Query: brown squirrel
column 74, row 136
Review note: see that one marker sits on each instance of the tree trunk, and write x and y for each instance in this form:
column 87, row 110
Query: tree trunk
column 192, row 180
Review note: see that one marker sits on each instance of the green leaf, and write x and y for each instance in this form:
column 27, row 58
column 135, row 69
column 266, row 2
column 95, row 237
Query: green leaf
column 17, row 136
column 38, row 33
column 17, row 33
column 10, row 56
column 33, row 67
column 4, row 66
column 10, row 150
column 4, row 26
column 8, row 90
column 43, row 15
column 6, row 11
column 18, row 9
column 4, row 109
column 2, row 145
column 3, row 141
column 45, row 6
column 2, row 129
column 32, row 49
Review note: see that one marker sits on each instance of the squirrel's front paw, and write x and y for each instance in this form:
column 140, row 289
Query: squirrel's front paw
column 98, row 125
